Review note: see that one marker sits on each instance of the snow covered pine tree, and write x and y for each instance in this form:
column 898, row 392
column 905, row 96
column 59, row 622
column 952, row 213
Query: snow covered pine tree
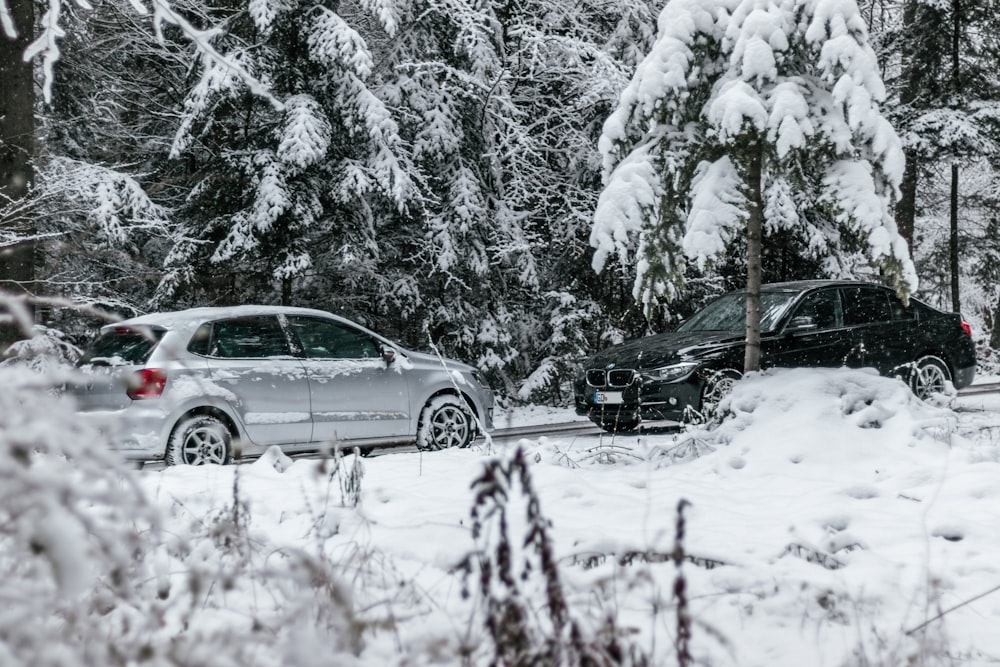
column 763, row 115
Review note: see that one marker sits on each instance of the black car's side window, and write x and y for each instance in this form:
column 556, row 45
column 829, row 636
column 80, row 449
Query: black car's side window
column 327, row 339
column 823, row 309
column 246, row 338
column 866, row 305
column 899, row 311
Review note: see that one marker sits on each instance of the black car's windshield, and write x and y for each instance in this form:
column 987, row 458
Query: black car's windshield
column 728, row 312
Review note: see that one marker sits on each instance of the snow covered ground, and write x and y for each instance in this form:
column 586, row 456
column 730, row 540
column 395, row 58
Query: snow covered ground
column 833, row 519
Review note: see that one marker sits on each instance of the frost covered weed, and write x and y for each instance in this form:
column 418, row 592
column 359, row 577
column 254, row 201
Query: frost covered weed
column 616, row 450
column 680, row 591
column 983, row 438
column 90, row 578
column 74, row 530
column 301, row 600
column 527, row 618
column 347, row 475
column 686, row 446
column 877, row 649
column 609, row 451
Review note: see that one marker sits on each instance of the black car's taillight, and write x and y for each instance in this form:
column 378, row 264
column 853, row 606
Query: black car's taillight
column 966, row 327
column 146, row 383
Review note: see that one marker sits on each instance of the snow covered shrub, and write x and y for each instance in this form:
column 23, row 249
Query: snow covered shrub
column 564, row 339
column 239, row 599
column 846, row 398
column 91, row 579
column 350, row 476
column 690, row 443
column 855, row 397
column 240, row 595
column 74, row 530
column 45, row 350
column 527, row 617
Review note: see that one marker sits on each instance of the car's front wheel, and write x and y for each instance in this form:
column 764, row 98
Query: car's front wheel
column 930, row 376
column 445, row 422
column 199, row 440
column 718, row 385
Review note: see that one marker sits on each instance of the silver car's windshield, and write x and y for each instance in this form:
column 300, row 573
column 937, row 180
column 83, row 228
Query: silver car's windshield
column 728, row 312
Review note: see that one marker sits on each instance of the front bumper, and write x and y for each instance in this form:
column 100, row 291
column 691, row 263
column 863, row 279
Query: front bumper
column 641, row 401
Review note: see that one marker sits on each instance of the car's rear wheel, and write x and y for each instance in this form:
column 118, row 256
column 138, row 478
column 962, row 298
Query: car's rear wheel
column 930, row 376
column 199, row 440
column 445, row 422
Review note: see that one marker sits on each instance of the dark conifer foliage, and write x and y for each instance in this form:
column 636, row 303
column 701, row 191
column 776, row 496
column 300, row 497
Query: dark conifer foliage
column 944, row 71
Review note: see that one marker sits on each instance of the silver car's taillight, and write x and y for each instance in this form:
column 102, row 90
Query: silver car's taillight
column 146, row 383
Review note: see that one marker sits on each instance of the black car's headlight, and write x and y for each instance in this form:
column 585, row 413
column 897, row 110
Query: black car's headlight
column 669, row 373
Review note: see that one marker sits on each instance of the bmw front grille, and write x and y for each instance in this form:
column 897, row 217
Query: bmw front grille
column 616, row 377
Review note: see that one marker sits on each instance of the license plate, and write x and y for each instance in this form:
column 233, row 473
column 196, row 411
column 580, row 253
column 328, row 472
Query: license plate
column 607, row 397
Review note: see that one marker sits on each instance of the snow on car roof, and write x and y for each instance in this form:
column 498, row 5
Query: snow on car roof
column 179, row 318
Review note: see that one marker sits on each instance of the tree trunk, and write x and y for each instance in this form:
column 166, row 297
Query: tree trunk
column 906, row 207
column 17, row 132
column 751, row 360
column 995, row 333
column 956, row 303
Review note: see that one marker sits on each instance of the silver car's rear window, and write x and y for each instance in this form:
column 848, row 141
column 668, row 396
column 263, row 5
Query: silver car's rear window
column 122, row 345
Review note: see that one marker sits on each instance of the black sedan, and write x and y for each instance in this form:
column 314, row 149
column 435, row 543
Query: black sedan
column 680, row 375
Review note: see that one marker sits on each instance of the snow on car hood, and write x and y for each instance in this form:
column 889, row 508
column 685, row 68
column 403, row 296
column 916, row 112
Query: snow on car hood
column 664, row 349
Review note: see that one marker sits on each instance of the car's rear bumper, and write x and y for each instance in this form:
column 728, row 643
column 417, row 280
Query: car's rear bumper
column 137, row 435
column 964, row 377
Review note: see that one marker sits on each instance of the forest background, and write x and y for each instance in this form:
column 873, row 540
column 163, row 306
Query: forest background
column 429, row 168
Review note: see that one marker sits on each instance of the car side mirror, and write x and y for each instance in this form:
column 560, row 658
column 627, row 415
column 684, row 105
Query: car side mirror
column 801, row 323
column 388, row 355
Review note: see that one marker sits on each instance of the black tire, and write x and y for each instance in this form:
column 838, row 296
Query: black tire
column 445, row 422
column 930, row 376
column 199, row 440
column 718, row 385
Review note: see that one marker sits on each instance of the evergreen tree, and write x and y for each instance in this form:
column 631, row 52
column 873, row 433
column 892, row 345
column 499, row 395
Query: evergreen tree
column 448, row 168
column 949, row 112
column 105, row 187
column 17, row 129
column 745, row 116
column 503, row 129
column 281, row 176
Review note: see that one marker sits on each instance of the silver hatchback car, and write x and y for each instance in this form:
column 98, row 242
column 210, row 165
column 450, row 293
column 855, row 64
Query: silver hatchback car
column 197, row 386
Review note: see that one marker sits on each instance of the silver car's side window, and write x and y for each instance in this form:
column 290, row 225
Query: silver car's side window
column 247, row 338
column 329, row 339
